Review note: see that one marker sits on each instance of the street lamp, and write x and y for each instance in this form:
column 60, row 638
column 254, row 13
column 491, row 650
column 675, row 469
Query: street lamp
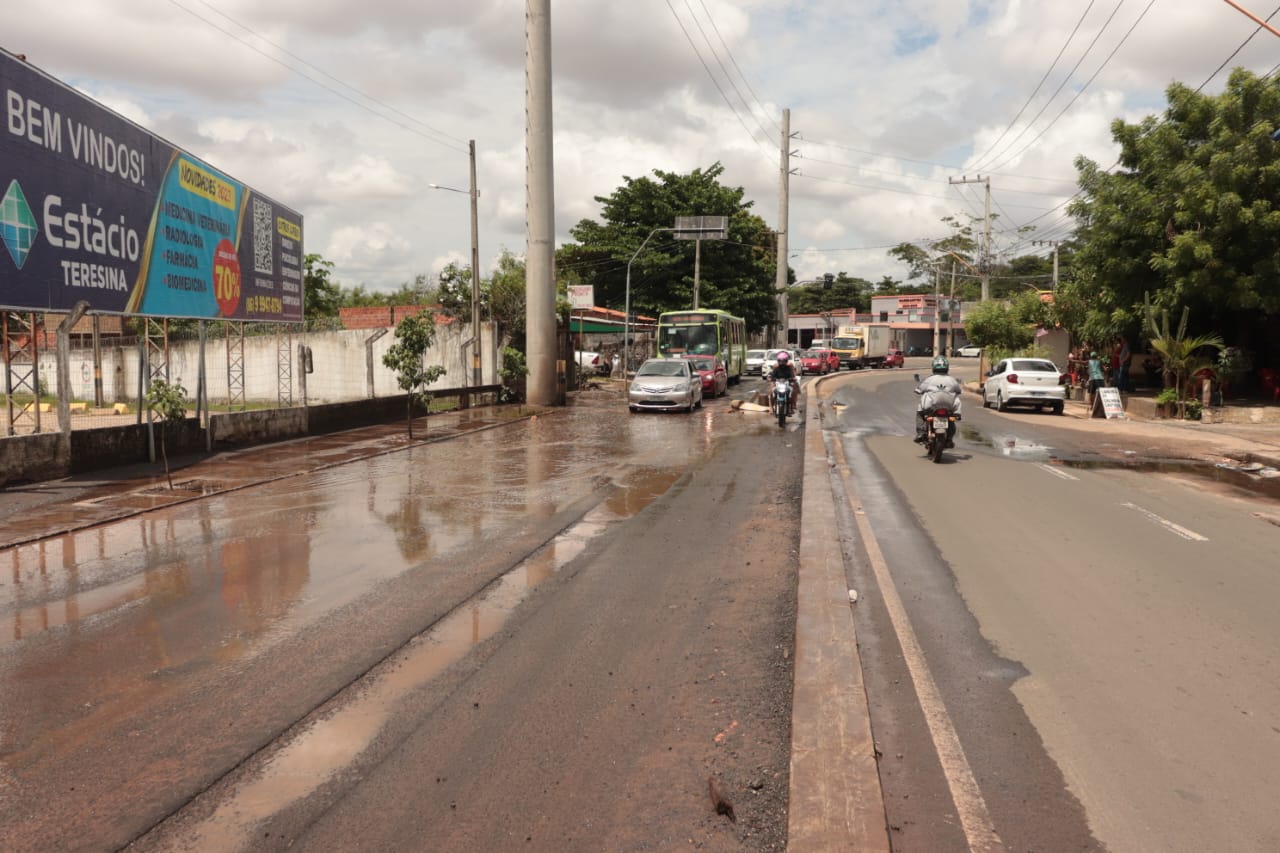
column 626, row 320
column 475, row 263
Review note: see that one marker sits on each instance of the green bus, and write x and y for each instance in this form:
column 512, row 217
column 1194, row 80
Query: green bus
column 705, row 331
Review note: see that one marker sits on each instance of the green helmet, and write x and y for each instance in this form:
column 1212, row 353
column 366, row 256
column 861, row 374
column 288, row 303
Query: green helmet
column 940, row 365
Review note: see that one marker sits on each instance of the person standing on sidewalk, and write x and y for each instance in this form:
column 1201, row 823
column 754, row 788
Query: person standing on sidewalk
column 1121, row 373
column 1096, row 377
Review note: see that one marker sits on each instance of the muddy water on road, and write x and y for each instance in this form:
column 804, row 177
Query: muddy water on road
column 102, row 623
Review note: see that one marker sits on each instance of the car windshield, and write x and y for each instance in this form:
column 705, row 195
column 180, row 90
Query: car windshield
column 662, row 368
column 755, row 353
column 812, row 353
column 1034, row 366
column 703, row 363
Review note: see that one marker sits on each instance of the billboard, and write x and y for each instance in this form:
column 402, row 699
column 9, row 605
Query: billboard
column 95, row 208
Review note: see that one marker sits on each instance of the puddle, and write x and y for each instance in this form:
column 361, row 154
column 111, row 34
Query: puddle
column 325, row 747
column 1243, row 480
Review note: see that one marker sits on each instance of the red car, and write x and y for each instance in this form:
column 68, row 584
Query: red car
column 895, row 358
column 715, row 379
column 821, row 361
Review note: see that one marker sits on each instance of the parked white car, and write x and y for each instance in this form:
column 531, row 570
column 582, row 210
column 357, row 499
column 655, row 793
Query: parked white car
column 1025, row 382
column 969, row 351
column 593, row 362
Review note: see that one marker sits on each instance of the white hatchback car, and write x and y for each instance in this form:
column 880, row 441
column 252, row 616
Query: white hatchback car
column 1025, row 382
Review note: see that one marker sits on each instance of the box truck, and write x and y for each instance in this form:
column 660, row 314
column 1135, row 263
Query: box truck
column 861, row 346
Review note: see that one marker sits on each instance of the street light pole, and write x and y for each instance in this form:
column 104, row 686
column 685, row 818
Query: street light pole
column 474, row 195
column 626, row 320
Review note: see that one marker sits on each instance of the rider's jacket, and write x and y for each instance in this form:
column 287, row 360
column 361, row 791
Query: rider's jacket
column 784, row 371
column 940, row 390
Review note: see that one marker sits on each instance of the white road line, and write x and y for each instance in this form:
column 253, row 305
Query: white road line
column 1169, row 525
column 1058, row 472
column 971, row 808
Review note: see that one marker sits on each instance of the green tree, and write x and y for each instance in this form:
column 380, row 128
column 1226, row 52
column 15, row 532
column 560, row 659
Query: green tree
column 843, row 293
column 321, row 296
column 997, row 325
column 454, row 292
column 1191, row 215
column 166, row 401
column 414, row 336
column 737, row 274
column 503, row 294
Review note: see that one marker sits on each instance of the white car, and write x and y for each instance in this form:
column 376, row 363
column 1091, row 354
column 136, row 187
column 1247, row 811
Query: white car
column 771, row 358
column 969, row 351
column 755, row 358
column 593, row 362
column 665, row 384
column 1025, row 382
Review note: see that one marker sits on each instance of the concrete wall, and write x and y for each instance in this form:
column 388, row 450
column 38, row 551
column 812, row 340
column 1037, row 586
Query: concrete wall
column 261, row 426
column 339, row 359
column 30, row 458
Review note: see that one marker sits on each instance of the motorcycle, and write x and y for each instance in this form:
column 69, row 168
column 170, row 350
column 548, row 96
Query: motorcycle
column 937, row 424
column 937, row 429
column 780, row 400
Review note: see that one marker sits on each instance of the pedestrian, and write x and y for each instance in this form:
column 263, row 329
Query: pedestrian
column 1096, row 377
column 1121, row 373
column 616, row 369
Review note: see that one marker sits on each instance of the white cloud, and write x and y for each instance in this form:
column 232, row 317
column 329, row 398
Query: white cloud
column 889, row 101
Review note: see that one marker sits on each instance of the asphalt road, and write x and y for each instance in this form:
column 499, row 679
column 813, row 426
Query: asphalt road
column 1060, row 654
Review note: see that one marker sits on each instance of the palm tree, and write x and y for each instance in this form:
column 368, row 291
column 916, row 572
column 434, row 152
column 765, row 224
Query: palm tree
column 1183, row 356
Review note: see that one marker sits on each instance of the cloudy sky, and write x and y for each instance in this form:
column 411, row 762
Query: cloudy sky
column 347, row 112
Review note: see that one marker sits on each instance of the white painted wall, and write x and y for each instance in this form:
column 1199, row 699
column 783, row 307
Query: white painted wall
column 338, row 357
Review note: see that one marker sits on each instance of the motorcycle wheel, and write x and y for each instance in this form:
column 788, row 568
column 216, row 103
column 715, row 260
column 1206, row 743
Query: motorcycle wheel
column 936, row 447
column 782, row 415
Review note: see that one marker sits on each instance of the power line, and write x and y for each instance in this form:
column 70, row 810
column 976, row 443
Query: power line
column 1218, row 70
column 1083, row 88
column 725, row 71
column 714, row 81
column 432, row 134
column 1064, row 82
column 1036, row 90
column 763, row 109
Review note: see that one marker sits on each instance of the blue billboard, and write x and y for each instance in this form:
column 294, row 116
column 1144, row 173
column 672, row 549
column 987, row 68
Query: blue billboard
column 94, row 208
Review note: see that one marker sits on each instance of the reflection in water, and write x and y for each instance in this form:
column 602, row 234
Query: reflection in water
column 325, row 746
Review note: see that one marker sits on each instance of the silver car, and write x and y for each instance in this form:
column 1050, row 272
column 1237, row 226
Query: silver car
column 1025, row 382
column 665, row 383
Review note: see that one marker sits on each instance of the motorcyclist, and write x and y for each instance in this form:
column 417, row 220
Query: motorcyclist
column 937, row 391
column 784, row 369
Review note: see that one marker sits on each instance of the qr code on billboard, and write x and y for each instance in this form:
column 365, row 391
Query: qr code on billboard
column 262, row 237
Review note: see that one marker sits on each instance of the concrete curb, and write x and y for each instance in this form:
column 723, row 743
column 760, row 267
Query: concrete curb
column 836, row 802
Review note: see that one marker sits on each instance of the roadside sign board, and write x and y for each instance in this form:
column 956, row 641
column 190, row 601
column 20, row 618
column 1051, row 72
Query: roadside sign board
column 701, row 228
column 1108, row 401
column 582, row 296
column 95, row 208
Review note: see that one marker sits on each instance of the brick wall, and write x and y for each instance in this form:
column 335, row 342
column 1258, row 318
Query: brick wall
column 383, row 316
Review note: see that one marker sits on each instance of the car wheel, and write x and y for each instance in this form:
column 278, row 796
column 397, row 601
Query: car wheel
column 1057, row 408
column 1000, row 404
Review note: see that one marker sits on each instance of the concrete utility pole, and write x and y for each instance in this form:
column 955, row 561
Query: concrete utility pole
column 540, row 233
column 1054, row 244
column 784, row 200
column 475, row 272
column 984, row 266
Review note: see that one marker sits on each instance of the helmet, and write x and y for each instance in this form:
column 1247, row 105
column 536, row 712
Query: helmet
column 783, row 357
column 940, row 365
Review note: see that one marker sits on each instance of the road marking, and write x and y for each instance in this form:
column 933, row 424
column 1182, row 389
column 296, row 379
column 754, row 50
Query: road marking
column 975, row 820
column 1058, row 472
column 1168, row 525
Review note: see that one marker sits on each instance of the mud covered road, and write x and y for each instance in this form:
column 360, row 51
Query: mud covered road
column 555, row 635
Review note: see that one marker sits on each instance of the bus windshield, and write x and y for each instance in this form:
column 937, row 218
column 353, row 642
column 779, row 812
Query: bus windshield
column 691, row 340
